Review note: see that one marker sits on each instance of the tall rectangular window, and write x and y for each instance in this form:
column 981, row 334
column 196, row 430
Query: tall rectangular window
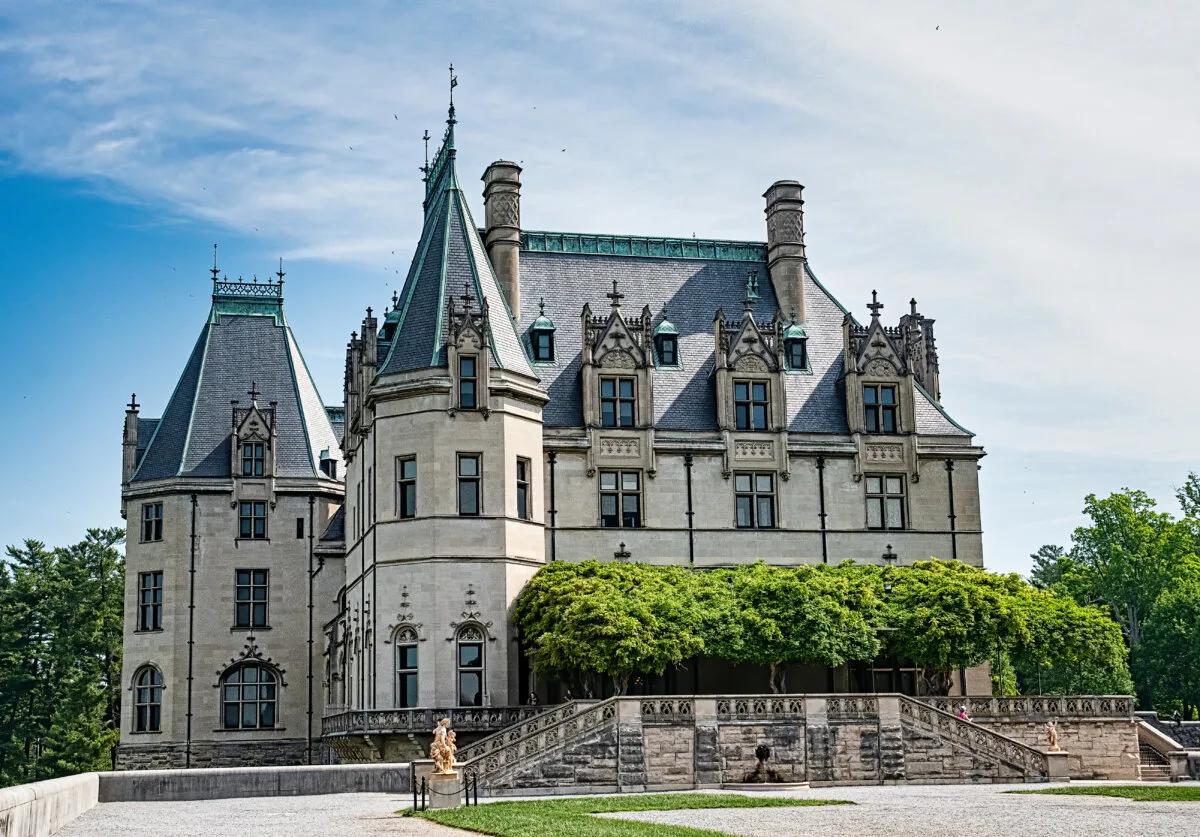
column 468, row 382
column 252, row 459
column 252, row 519
column 885, row 502
column 523, row 466
column 250, row 599
column 468, row 484
column 150, row 600
column 299, row 527
column 751, row 404
column 879, row 408
column 754, row 500
column 152, row 521
column 406, row 487
column 617, row 404
column 620, row 499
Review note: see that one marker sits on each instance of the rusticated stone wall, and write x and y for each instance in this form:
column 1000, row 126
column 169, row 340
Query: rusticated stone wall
column 1100, row 748
column 929, row 759
column 670, row 757
column 275, row 753
column 587, row 763
column 738, row 741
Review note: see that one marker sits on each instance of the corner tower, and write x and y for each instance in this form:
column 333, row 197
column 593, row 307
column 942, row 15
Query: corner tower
column 444, row 518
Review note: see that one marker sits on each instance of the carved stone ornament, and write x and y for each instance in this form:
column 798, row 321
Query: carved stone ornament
column 785, row 226
column 879, row 366
column 750, row 363
column 618, row 360
column 754, row 450
column 620, row 448
column 885, row 453
column 506, row 209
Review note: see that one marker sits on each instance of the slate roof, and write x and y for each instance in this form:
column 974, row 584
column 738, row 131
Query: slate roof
column 450, row 256
column 246, row 340
column 336, row 529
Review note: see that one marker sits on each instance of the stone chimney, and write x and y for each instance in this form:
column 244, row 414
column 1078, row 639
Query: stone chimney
column 785, row 245
column 502, row 218
column 129, row 441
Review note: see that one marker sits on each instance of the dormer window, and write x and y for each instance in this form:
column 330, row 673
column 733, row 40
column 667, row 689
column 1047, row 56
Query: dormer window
column 879, row 408
column 795, row 348
column 617, row 403
column 666, row 342
column 751, row 405
column 541, row 336
column 253, row 457
column 468, row 382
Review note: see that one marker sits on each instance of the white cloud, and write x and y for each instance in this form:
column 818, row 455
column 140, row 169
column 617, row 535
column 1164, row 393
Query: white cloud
column 1029, row 173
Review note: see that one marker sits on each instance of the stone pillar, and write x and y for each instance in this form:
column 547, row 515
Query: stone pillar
column 707, row 750
column 631, row 748
column 821, row 740
column 129, row 442
column 891, row 740
column 785, row 245
column 502, row 222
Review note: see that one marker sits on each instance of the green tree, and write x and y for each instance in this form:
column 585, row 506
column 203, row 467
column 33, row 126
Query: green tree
column 1131, row 552
column 1168, row 660
column 800, row 615
column 946, row 615
column 1070, row 648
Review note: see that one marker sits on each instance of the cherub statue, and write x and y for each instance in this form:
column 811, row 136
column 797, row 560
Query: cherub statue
column 443, row 748
column 1052, row 736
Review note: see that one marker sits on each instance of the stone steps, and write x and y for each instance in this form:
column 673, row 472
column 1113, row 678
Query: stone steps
column 1153, row 767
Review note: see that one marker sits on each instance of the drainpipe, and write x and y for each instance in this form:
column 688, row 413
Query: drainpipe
column 687, row 464
column 311, row 574
column 552, row 456
column 187, row 753
column 821, row 492
column 952, row 516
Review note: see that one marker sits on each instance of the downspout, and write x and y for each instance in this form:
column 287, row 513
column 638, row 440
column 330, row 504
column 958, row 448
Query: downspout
column 952, row 516
column 311, row 574
column 821, row 492
column 687, row 464
column 187, row 753
column 552, row 456
column 374, row 552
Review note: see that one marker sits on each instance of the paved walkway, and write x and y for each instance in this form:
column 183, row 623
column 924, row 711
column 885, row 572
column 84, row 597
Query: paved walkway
column 906, row 811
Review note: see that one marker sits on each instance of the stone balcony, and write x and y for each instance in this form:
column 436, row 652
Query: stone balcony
column 371, row 735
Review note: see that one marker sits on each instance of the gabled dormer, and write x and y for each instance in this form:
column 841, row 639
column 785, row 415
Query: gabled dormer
column 467, row 344
column 618, row 398
column 253, row 439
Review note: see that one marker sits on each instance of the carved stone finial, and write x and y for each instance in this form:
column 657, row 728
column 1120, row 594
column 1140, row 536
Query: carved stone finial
column 622, row 554
column 876, row 306
column 912, row 306
column 280, row 272
column 215, row 269
column 254, row 393
column 615, row 296
column 132, row 406
column 542, row 306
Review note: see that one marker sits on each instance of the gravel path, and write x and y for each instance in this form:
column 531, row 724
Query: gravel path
column 957, row 810
column 343, row 815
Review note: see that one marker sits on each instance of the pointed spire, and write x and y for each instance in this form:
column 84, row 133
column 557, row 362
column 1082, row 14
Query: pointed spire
column 450, row 120
column 215, row 270
column 280, row 272
column 876, row 306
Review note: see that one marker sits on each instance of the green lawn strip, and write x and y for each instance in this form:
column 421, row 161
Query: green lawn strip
column 573, row 817
column 1138, row 793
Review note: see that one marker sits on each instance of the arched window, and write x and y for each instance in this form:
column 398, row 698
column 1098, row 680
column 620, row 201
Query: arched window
column 470, row 666
column 248, row 697
column 406, row 668
column 147, row 699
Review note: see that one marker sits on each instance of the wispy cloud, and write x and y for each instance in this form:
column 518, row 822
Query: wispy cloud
column 1029, row 173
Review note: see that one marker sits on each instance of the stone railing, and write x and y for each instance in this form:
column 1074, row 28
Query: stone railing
column 841, row 707
column 760, row 707
column 667, row 710
column 1038, row 707
column 549, row 716
column 530, row 747
column 422, row 720
column 975, row 738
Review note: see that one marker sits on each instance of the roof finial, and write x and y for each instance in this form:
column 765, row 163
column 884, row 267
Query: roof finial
column 254, row 393
column 467, row 296
column 453, row 84
column 542, row 306
column 280, row 272
column 876, row 306
column 395, row 300
column 133, row 405
column 616, row 296
column 425, row 168
column 215, row 269
column 912, row 306
column 793, row 315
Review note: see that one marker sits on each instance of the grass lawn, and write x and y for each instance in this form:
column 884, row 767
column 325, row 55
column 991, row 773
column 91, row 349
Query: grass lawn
column 1138, row 793
column 573, row 817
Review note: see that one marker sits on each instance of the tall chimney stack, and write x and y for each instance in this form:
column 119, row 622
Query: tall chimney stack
column 785, row 245
column 502, row 218
column 129, row 441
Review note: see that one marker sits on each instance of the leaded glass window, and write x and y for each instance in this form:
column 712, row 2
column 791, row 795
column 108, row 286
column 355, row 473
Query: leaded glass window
column 248, row 697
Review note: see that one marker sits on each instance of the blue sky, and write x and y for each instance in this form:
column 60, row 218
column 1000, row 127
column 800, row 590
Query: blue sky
column 1030, row 175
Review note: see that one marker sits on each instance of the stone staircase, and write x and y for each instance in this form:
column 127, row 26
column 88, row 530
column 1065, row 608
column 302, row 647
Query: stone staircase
column 1154, row 766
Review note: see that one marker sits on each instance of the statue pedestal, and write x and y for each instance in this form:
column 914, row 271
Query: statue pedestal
column 445, row 790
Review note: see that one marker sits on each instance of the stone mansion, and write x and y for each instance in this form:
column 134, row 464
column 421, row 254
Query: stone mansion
column 527, row 397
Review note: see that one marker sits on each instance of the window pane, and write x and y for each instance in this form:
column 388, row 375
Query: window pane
column 889, row 421
column 766, row 513
column 250, row 674
column 760, row 392
column 741, row 482
column 874, row 485
column 895, row 514
column 466, row 366
column 408, row 469
column 408, row 656
column 468, row 466
column 872, row 421
column 894, row 485
column 741, row 392
column 874, row 513
column 468, row 500
column 629, row 480
column 744, row 518
column 608, row 480
column 626, row 387
column 763, row 482
column 260, row 615
column 243, row 615
column 470, row 655
column 760, row 417
column 742, row 416
column 249, row 715
column 469, row 691
column 267, row 715
column 608, row 414
column 260, row 527
column 869, row 395
column 231, row 716
column 626, row 413
column 466, row 394
column 608, row 510
column 887, row 395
